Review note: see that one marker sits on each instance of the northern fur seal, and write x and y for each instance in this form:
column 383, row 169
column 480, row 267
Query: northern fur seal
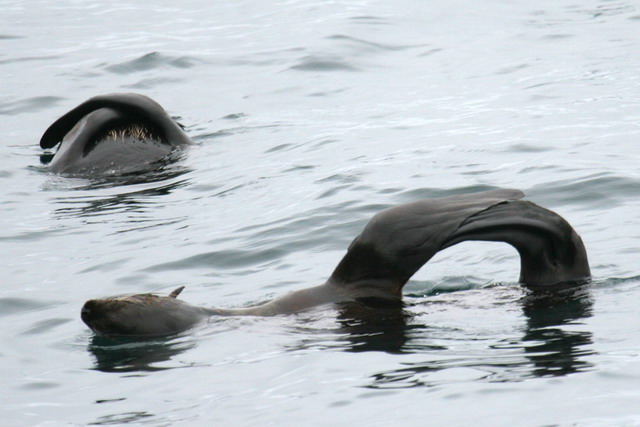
column 115, row 133
column 392, row 247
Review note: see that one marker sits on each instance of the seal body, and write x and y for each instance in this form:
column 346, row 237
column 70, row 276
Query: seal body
column 112, row 134
column 391, row 248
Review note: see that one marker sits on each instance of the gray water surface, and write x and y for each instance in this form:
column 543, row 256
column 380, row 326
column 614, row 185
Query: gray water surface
column 309, row 117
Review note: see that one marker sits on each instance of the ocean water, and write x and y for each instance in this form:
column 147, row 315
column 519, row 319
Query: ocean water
column 309, row 117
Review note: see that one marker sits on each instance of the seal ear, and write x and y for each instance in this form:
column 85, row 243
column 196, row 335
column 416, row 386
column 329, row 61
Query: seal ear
column 176, row 292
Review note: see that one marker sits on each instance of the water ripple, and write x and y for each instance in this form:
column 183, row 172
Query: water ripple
column 590, row 191
column 224, row 259
column 323, row 63
column 151, row 61
column 362, row 44
column 28, row 105
column 10, row 305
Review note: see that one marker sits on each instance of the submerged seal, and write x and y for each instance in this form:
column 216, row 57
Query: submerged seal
column 115, row 133
column 392, row 247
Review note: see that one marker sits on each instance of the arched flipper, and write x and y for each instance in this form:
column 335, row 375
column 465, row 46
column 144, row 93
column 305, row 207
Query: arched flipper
column 135, row 107
column 551, row 252
column 398, row 241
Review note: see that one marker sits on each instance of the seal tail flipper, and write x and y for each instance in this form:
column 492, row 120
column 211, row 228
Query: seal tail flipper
column 550, row 250
column 398, row 241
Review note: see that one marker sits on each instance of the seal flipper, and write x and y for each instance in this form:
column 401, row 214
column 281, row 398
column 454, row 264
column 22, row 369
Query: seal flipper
column 398, row 241
column 137, row 108
column 551, row 252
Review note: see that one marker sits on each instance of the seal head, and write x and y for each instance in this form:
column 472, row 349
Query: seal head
column 142, row 315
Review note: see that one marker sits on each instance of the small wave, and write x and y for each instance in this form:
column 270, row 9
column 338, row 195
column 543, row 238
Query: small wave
column 151, row 61
column 29, row 105
column 28, row 59
column 320, row 63
column 361, row 43
column 225, row 259
column 152, row 82
column 591, row 191
column 45, row 326
column 17, row 305
column 370, row 20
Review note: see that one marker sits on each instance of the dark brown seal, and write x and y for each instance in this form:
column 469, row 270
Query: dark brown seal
column 115, row 133
column 392, row 247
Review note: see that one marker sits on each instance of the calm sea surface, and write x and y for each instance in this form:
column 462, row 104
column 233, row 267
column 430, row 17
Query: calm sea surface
column 310, row 116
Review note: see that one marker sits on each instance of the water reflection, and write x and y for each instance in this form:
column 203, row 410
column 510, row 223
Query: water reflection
column 555, row 350
column 550, row 346
column 138, row 200
column 368, row 328
column 550, row 343
column 134, row 355
column 123, row 418
column 138, row 178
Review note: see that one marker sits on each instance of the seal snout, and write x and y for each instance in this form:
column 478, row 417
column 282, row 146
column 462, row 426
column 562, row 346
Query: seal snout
column 93, row 313
column 105, row 316
column 88, row 312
